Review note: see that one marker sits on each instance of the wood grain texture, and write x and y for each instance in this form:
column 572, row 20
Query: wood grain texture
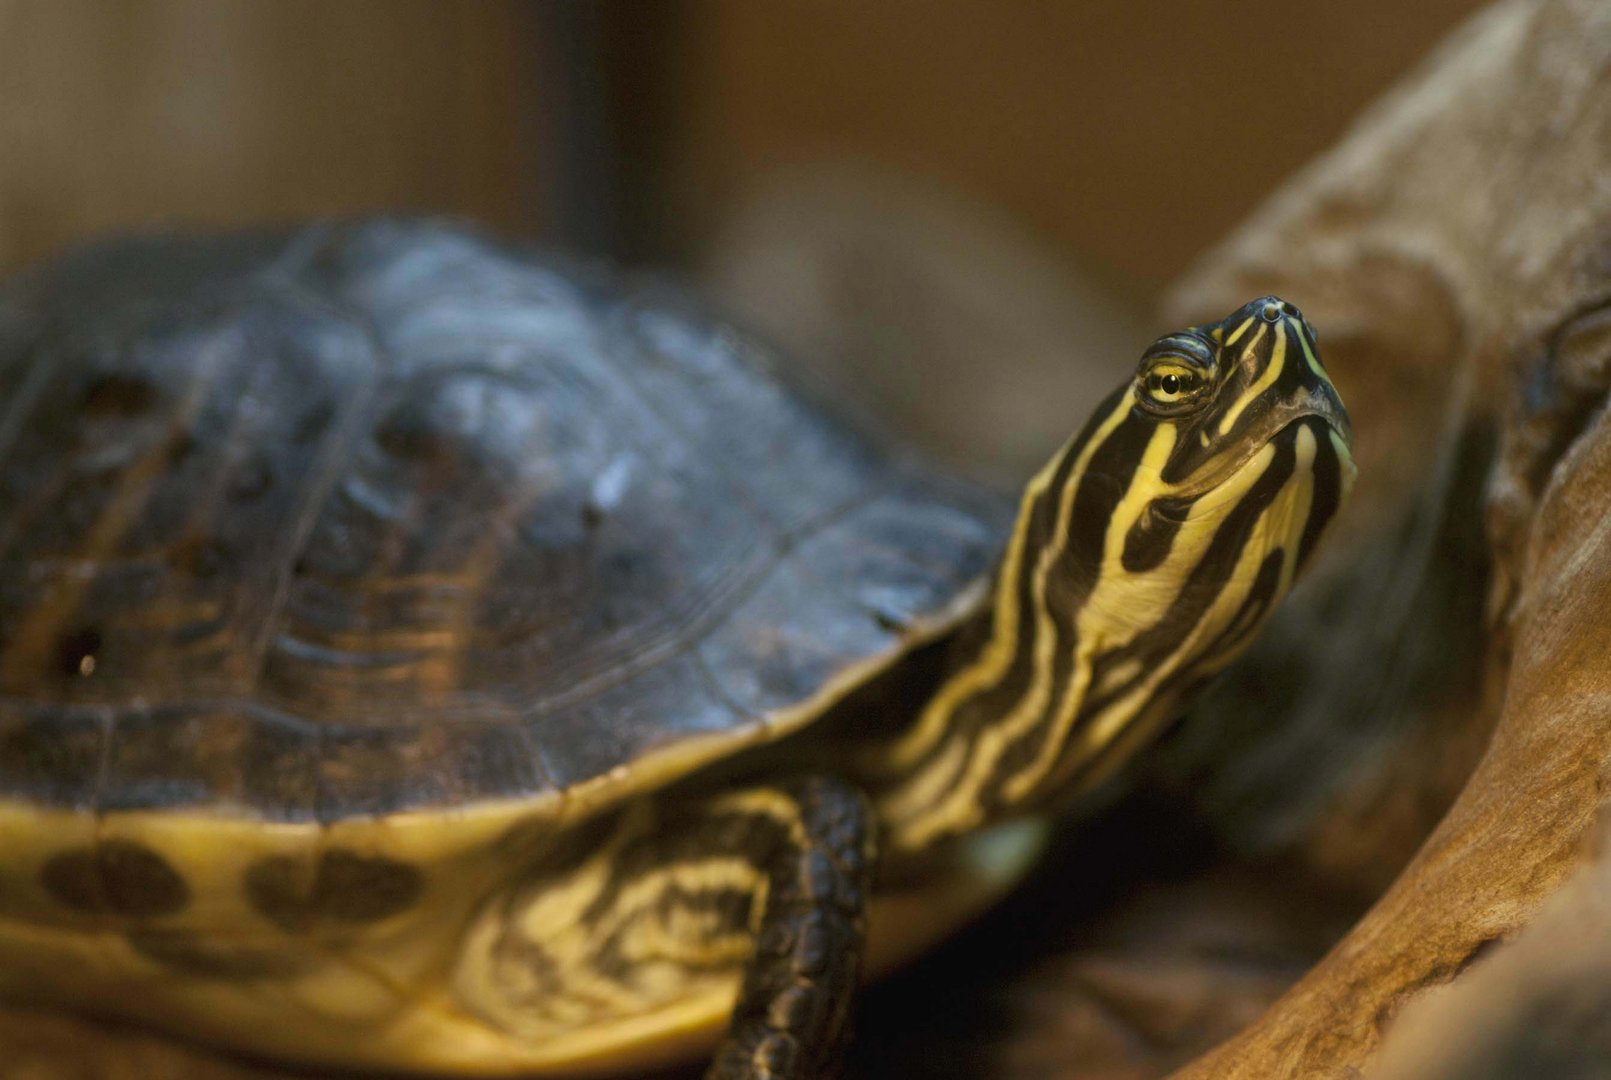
column 1457, row 239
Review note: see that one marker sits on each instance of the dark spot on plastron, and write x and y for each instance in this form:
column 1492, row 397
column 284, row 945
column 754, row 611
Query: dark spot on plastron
column 592, row 515
column 278, row 890
column 73, row 882
column 78, row 651
column 116, row 395
column 365, row 888
column 121, row 878
column 346, row 888
column 137, row 881
column 194, row 954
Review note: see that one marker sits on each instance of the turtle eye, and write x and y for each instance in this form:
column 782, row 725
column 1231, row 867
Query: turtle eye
column 1171, row 385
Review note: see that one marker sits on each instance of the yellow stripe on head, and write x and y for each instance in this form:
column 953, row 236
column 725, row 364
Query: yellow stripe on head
column 1272, row 372
column 1165, row 555
column 1236, row 335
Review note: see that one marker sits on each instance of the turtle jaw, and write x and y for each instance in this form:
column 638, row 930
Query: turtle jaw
column 1274, row 423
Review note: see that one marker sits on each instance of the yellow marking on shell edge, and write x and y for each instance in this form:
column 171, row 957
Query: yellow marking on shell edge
column 1218, row 334
column 348, row 1008
column 379, row 998
column 332, row 974
column 1278, row 355
column 657, row 769
column 99, row 972
column 213, row 855
column 341, row 1017
column 934, row 723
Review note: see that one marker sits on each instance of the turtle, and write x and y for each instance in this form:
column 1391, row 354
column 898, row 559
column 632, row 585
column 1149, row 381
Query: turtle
column 422, row 652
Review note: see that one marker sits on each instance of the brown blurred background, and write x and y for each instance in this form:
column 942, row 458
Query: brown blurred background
column 1130, row 133
column 1125, row 134
column 941, row 200
column 930, row 195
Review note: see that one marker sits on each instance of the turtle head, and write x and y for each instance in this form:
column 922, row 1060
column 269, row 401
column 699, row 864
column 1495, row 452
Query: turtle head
column 1234, row 452
column 1146, row 555
column 1229, row 388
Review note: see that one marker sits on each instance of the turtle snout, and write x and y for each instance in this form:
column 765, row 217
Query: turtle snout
column 1272, row 308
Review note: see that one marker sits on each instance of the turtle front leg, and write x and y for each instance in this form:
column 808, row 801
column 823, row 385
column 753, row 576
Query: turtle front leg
column 626, row 934
column 792, row 1018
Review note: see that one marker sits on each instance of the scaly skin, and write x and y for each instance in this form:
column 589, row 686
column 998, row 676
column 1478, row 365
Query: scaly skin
column 791, row 1019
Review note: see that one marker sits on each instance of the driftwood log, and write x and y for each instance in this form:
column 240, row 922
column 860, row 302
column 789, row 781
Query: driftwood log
column 1408, row 769
column 1457, row 249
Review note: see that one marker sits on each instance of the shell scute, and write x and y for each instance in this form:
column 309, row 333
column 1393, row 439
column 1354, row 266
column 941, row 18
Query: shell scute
column 51, row 756
column 153, row 492
column 726, row 394
column 384, row 517
column 375, row 771
column 639, row 714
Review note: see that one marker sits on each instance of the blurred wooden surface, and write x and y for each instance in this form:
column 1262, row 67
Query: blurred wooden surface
column 1453, row 247
column 1131, row 133
column 118, row 114
column 1126, row 134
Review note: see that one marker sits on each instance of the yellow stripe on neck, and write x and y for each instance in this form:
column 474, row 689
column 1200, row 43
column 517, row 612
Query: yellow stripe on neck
column 995, row 659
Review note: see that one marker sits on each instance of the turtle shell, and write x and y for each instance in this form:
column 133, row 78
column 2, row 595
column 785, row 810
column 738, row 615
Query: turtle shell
column 385, row 517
